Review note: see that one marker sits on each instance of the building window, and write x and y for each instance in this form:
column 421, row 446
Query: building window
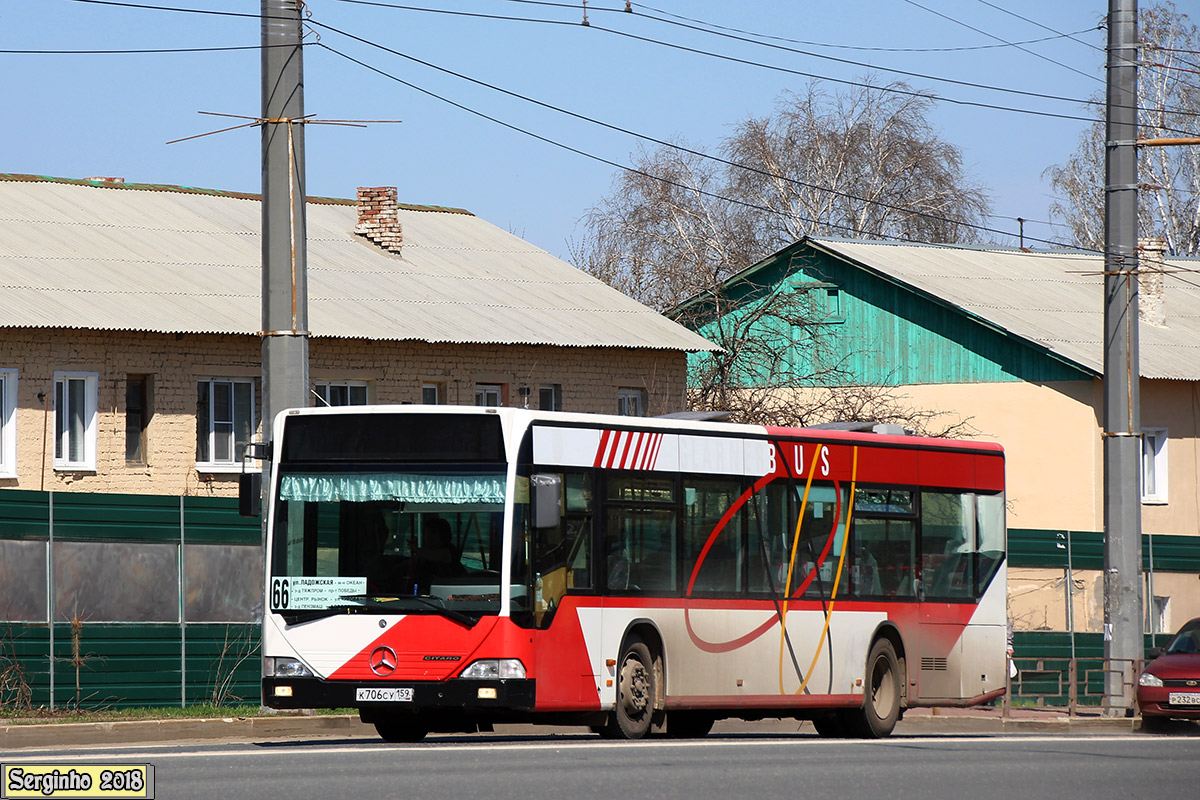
column 432, row 394
column 489, row 394
column 550, row 397
column 137, row 417
column 8, row 423
column 631, row 402
column 75, row 420
column 1154, row 465
column 342, row 393
column 224, row 421
column 833, row 305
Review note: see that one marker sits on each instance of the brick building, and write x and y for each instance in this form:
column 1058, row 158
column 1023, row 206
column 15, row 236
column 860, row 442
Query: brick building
column 130, row 356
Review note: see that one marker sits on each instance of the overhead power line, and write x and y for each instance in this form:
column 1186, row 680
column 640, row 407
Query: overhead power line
column 786, row 70
column 695, row 51
column 133, row 51
column 1071, row 36
column 177, row 9
column 627, row 168
column 999, row 39
column 867, row 48
column 748, row 62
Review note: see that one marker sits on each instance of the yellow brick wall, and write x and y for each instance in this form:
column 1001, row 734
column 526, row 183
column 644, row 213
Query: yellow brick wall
column 394, row 372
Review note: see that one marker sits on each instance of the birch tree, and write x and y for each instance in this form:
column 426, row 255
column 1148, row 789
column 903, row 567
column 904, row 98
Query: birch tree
column 1169, row 107
column 862, row 163
column 859, row 163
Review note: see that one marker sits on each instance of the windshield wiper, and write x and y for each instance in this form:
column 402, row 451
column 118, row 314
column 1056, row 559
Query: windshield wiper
column 309, row 614
column 372, row 602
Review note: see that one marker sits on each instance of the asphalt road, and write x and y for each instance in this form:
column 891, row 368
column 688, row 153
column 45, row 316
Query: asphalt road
column 963, row 767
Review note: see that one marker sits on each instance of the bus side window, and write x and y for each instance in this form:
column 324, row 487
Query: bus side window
column 768, row 540
column 705, row 504
column 563, row 558
column 884, row 558
column 948, row 544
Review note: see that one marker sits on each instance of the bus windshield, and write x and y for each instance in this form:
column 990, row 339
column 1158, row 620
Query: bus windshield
column 403, row 540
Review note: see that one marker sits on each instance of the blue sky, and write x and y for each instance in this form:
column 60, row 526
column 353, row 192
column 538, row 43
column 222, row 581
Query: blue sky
column 112, row 115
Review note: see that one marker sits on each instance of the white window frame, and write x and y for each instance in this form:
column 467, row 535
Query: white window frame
column 62, row 435
column 436, row 388
column 488, row 392
column 8, row 423
column 1154, row 466
column 631, row 397
column 555, row 390
column 234, row 464
column 321, row 389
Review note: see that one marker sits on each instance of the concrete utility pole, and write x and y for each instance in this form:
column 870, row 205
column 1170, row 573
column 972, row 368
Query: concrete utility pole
column 1123, row 643
column 284, row 265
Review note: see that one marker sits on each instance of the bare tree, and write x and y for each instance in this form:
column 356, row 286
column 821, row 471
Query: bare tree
column 778, row 365
column 1169, row 101
column 864, row 163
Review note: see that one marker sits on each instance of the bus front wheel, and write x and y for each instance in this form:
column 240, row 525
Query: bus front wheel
column 881, row 696
column 636, row 693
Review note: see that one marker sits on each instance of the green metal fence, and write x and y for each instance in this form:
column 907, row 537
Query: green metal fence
column 114, row 601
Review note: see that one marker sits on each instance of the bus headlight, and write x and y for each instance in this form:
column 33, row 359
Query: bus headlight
column 495, row 668
column 289, row 668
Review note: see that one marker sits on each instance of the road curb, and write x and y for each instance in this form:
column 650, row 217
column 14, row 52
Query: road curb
column 69, row 734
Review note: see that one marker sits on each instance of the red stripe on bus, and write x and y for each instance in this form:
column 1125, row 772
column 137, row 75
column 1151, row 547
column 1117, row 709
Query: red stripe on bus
column 658, row 440
column 765, row 701
column 599, row 462
column 627, row 436
column 614, row 446
column 639, row 450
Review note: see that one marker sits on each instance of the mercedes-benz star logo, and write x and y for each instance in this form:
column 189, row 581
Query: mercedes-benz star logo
column 382, row 661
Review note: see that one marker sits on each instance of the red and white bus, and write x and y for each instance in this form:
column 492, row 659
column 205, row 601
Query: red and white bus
column 445, row 568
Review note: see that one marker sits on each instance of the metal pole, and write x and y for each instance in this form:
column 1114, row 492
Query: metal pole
column 1071, row 596
column 284, row 254
column 181, row 572
column 1122, row 426
column 1153, row 610
column 50, row 585
column 284, row 280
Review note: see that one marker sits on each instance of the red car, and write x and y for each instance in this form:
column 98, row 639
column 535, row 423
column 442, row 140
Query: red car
column 1169, row 686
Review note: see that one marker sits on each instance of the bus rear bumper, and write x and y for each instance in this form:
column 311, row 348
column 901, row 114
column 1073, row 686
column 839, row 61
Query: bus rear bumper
column 509, row 694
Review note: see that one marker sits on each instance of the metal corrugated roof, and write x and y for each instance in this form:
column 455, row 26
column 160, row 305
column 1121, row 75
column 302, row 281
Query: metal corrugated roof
column 1054, row 299
column 75, row 254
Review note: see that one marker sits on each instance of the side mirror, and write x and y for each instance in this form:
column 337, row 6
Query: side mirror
column 250, row 494
column 250, row 483
column 545, row 506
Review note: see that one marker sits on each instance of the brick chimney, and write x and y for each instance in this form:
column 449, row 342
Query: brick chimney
column 1151, row 263
column 378, row 217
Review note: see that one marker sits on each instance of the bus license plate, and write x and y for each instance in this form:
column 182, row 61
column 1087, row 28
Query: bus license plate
column 1184, row 698
column 384, row 695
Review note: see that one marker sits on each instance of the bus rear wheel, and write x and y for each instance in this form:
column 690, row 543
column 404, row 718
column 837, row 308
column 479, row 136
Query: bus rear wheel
column 401, row 730
column 636, row 693
column 881, row 698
